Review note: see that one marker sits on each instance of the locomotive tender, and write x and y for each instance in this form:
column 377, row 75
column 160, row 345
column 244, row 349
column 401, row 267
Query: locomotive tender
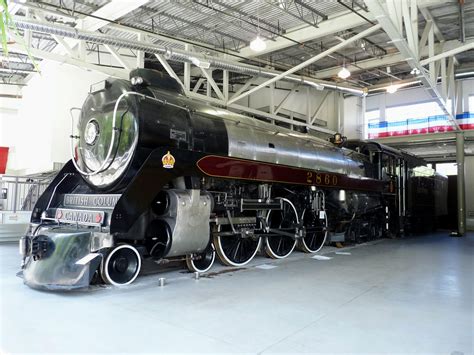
column 157, row 175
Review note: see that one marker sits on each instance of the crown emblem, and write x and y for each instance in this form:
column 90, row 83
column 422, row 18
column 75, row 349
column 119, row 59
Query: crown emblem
column 168, row 161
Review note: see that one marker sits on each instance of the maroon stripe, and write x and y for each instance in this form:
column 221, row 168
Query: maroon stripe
column 234, row 168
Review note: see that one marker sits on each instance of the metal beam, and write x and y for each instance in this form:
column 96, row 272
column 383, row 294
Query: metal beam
column 279, row 118
column 286, row 98
column 118, row 73
column 308, row 33
column 381, row 15
column 111, row 11
column 115, row 26
column 140, row 54
column 428, row 17
column 198, row 85
column 308, row 107
column 260, row 113
column 117, row 57
column 210, row 81
column 424, row 38
column 187, row 71
column 225, row 84
column 60, row 40
column 244, row 87
column 389, row 59
column 170, row 70
column 310, row 61
column 449, row 53
column 318, row 109
column 176, row 54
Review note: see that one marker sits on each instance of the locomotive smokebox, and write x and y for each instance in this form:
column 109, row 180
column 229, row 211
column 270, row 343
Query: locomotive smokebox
column 107, row 133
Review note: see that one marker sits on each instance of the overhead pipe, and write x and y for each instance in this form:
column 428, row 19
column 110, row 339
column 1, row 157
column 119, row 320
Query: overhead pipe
column 176, row 55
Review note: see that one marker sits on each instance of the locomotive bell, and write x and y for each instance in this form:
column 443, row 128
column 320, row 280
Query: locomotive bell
column 338, row 139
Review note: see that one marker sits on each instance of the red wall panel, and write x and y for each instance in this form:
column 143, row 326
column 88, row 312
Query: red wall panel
column 3, row 159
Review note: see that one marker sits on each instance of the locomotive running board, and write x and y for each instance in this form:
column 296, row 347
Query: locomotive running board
column 260, row 205
column 234, row 220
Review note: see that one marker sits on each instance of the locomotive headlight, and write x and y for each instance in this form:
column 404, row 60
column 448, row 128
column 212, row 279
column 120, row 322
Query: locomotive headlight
column 91, row 132
column 342, row 195
column 136, row 80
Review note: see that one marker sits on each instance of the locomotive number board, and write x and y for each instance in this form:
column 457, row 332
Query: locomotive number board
column 226, row 167
column 84, row 217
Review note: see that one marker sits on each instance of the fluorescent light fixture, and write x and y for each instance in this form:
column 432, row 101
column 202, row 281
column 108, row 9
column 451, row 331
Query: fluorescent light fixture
column 344, row 73
column 392, row 89
column 258, row 44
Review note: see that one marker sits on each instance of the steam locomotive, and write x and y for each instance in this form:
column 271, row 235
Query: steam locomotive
column 156, row 175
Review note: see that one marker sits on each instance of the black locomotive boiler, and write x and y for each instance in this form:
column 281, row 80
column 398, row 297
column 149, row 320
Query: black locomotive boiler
column 157, row 175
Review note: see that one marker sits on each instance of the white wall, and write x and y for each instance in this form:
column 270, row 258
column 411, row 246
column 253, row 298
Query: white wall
column 415, row 95
column 41, row 132
column 353, row 126
column 8, row 115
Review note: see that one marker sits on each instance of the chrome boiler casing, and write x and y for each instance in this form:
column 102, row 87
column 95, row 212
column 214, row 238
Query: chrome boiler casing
column 188, row 218
column 252, row 139
column 124, row 119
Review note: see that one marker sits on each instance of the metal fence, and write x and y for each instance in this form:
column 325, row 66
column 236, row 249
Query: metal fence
column 21, row 193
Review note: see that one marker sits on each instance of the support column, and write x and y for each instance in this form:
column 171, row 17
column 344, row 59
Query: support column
column 271, row 100
column 208, row 84
column 187, row 71
column 461, row 184
column 140, row 61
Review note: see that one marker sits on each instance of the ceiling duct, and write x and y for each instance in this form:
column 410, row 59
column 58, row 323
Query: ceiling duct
column 176, row 55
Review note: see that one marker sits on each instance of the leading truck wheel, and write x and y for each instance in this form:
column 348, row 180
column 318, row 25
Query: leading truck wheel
column 203, row 261
column 122, row 266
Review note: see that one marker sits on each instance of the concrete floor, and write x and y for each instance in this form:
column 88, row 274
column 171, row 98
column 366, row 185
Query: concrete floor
column 406, row 296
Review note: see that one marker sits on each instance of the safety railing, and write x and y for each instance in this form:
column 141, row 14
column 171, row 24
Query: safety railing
column 21, row 193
